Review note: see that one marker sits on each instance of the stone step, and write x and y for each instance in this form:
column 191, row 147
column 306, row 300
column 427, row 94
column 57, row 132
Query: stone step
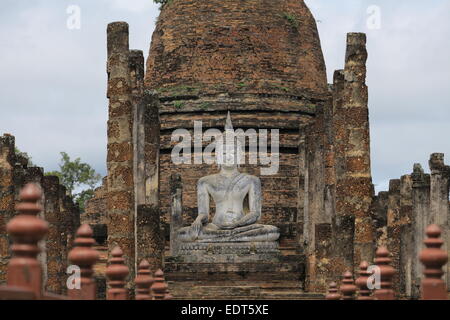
column 286, row 263
column 291, row 296
column 244, row 289
column 267, row 276
column 220, row 290
column 212, row 292
column 235, row 272
column 288, row 268
column 285, row 250
column 263, row 285
column 232, row 267
column 240, row 293
column 272, row 298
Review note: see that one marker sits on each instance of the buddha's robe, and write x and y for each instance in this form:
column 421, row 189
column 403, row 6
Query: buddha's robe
column 238, row 208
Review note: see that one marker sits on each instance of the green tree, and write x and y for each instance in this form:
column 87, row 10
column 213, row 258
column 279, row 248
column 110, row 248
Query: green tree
column 82, row 197
column 25, row 155
column 74, row 174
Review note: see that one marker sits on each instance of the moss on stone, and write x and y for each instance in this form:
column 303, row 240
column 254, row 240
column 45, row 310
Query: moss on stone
column 179, row 104
column 292, row 19
column 241, row 85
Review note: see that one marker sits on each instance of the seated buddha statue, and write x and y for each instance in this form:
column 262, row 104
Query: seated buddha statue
column 237, row 198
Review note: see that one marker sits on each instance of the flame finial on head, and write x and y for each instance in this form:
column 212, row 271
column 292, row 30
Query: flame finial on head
column 230, row 144
column 228, row 123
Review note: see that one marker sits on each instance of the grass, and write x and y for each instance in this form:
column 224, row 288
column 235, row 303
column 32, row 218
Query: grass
column 179, row 104
column 241, row 85
column 292, row 19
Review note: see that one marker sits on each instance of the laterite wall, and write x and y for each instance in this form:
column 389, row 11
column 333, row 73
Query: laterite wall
column 259, row 59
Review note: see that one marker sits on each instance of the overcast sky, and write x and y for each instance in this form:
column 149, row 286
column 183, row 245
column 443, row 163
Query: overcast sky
column 53, row 79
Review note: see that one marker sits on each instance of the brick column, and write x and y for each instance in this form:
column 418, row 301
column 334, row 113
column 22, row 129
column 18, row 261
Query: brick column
column 120, row 159
column 70, row 217
column 393, row 227
column 406, row 243
column 421, row 208
column 139, row 108
column 302, row 185
column 176, row 214
column 439, row 202
column 150, row 244
column 149, row 241
column 315, row 219
column 55, row 259
column 380, row 217
column 354, row 190
column 343, row 223
column 152, row 146
column 7, row 194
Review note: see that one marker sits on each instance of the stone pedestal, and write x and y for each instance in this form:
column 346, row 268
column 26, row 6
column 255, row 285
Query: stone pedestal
column 273, row 277
column 230, row 252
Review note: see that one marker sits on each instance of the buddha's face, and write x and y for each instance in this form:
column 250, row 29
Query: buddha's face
column 229, row 157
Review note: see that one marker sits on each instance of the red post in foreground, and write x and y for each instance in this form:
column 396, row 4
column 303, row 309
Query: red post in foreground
column 26, row 230
column 84, row 256
column 116, row 273
column 433, row 258
column 383, row 261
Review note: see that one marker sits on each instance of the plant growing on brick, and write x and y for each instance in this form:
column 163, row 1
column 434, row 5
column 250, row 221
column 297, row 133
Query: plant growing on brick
column 292, row 19
column 178, row 104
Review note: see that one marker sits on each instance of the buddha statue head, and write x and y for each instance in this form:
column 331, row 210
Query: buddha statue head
column 230, row 152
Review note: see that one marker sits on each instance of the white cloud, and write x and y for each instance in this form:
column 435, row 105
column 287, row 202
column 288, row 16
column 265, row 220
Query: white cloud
column 408, row 77
column 132, row 5
column 53, row 84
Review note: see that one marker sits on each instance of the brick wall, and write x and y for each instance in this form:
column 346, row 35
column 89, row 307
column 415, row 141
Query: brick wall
column 58, row 209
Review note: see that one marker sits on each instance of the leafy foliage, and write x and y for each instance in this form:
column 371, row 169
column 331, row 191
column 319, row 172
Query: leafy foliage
column 82, row 197
column 75, row 174
column 292, row 19
column 178, row 104
column 25, row 155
